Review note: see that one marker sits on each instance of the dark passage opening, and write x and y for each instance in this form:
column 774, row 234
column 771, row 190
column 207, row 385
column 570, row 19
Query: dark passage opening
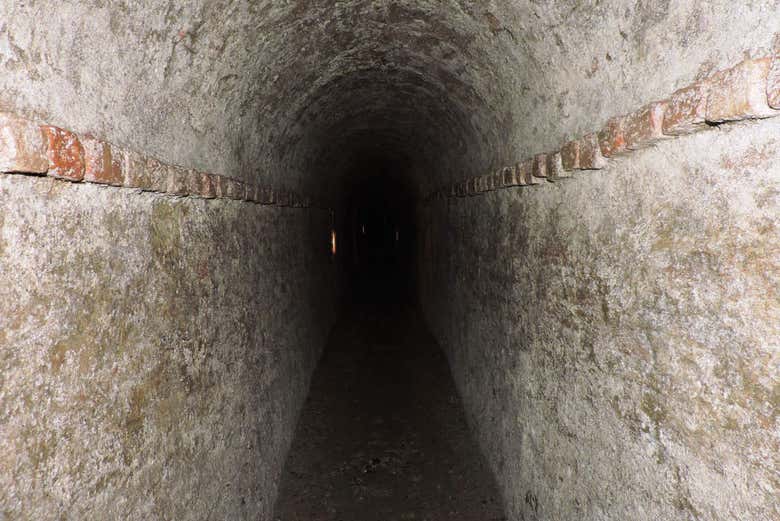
column 382, row 434
column 379, row 253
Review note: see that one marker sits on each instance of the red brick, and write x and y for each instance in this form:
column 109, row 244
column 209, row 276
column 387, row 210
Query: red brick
column 645, row 126
column 498, row 179
column 686, row 110
column 540, row 166
column 509, row 176
column 740, row 93
column 524, row 173
column 611, row 140
column 208, row 189
column 239, row 190
column 22, row 146
column 773, row 78
column 471, row 186
column 253, row 192
column 136, row 173
column 590, row 153
column 570, row 155
column 266, row 195
column 99, row 165
column 65, row 153
column 554, row 167
column 157, row 174
column 117, row 171
column 192, row 182
column 176, row 181
column 220, row 185
column 490, row 182
column 234, row 189
column 249, row 192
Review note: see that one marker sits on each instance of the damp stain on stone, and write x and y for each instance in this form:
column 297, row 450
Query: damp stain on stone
column 165, row 232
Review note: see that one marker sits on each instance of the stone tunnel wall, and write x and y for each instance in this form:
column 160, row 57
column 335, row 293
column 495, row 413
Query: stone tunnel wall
column 154, row 331
column 614, row 335
column 154, row 350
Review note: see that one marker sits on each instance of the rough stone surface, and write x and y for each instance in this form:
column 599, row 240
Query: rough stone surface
column 154, row 351
column 300, row 96
column 617, row 344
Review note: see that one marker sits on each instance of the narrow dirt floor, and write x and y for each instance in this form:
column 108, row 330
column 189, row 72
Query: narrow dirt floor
column 383, row 435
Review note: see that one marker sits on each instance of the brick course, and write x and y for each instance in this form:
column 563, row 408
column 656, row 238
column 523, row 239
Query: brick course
column 555, row 169
column 645, row 126
column 748, row 90
column 570, row 155
column 99, row 165
column 590, row 153
column 22, row 146
column 611, row 140
column 740, row 92
column 686, row 110
column 64, row 153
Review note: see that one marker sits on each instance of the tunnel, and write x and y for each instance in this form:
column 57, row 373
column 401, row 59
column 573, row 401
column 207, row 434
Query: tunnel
column 391, row 259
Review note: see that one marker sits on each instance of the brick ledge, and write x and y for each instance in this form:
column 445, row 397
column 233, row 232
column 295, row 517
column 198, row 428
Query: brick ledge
column 748, row 90
column 32, row 149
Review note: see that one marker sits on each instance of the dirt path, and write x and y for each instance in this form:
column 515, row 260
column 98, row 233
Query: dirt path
column 383, row 436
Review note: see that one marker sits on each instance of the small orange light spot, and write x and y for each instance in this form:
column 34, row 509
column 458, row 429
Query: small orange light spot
column 333, row 242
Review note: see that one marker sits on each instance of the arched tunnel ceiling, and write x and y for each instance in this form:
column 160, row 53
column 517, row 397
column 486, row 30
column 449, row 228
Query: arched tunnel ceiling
column 411, row 79
column 292, row 93
column 297, row 93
